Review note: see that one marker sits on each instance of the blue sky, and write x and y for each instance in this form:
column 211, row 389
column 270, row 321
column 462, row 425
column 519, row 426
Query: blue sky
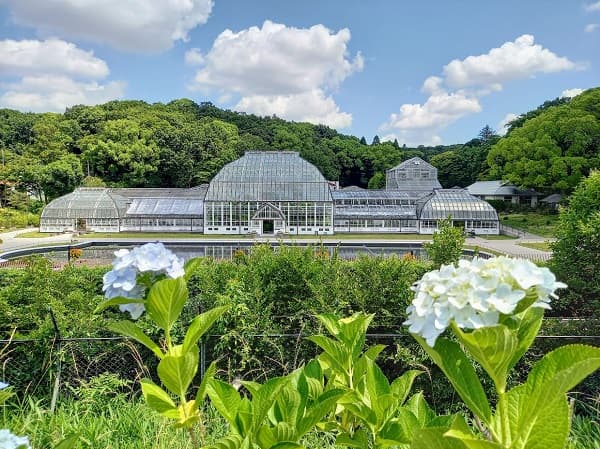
column 423, row 72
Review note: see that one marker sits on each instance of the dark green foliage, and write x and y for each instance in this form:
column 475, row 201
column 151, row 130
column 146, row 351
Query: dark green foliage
column 554, row 149
column 576, row 259
column 446, row 245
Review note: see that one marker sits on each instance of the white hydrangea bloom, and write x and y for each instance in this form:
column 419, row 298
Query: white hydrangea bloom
column 476, row 293
column 10, row 441
column 3, row 385
column 151, row 258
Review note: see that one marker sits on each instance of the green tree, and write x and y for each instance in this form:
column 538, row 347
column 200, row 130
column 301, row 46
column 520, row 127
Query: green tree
column 377, row 181
column 576, row 253
column 447, row 244
column 553, row 150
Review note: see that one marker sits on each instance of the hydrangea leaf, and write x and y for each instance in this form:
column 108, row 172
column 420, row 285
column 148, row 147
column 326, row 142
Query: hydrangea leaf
column 458, row 369
column 177, row 372
column 166, row 300
column 493, row 347
column 130, row 330
column 200, row 324
column 158, row 399
column 519, row 425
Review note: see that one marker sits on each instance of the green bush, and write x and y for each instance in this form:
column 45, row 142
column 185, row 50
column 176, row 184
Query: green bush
column 11, row 218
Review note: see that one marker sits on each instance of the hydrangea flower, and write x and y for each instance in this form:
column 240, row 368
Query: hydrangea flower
column 151, row 258
column 11, row 441
column 475, row 293
column 3, row 385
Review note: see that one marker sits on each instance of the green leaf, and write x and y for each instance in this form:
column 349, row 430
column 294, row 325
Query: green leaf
column 419, row 407
column 68, row 442
column 287, row 445
column 402, row 385
column 117, row 301
column 400, row 429
column 433, row 438
column 562, row 369
column 528, row 325
column 225, row 398
column 131, row 330
column 200, row 324
column 191, row 266
column 519, row 426
column 317, row 411
column 493, row 347
column 158, row 399
column 177, row 371
column 378, row 388
column 461, row 431
column 264, row 398
column 165, row 301
column 359, row 440
column 461, row 374
column 228, row 442
column 334, row 355
column 208, row 374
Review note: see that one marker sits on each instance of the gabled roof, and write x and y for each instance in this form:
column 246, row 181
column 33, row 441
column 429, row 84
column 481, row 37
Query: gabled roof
column 554, row 198
column 414, row 161
column 492, row 188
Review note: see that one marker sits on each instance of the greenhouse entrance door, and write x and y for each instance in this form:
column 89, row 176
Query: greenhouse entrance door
column 268, row 227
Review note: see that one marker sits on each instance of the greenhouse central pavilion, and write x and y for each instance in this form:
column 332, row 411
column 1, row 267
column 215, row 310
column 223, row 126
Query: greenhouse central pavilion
column 275, row 193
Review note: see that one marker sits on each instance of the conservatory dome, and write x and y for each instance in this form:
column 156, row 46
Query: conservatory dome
column 86, row 202
column 457, row 203
column 269, row 176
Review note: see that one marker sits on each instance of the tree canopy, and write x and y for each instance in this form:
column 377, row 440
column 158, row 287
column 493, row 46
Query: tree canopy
column 553, row 149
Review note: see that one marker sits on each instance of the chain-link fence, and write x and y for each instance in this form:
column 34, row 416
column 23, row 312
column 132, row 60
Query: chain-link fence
column 50, row 369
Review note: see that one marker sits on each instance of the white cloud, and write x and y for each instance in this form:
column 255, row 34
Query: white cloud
column 570, row 93
column 591, row 7
column 420, row 123
column 590, row 28
column 54, row 55
column 55, row 93
column 52, row 75
column 194, row 57
column 312, row 106
column 502, row 124
column 456, row 93
column 131, row 25
column 512, row 60
column 271, row 68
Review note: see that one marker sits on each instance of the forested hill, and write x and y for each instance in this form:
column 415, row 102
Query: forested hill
column 553, row 147
column 181, row 144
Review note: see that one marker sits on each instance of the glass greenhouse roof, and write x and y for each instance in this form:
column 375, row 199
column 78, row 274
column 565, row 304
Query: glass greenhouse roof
column 369, row 194
column 86, row 202
column 166, row 207
column 269, row 176
column 457, row 203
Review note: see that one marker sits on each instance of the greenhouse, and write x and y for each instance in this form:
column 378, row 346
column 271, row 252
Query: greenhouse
column 360, row 210
column 415, row 177
column 84, row 209
column 271, row 193
column 465, row 210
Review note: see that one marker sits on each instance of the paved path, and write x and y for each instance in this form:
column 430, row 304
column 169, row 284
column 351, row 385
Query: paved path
column 509, row 246
column 10, row 240
column 512, row 247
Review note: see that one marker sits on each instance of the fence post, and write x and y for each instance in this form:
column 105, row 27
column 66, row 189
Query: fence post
column 58, row 340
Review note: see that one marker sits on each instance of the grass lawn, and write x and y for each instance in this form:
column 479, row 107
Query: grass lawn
column 532, row 222
column 542, row 246
column 497, row 237
column 36, row 235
